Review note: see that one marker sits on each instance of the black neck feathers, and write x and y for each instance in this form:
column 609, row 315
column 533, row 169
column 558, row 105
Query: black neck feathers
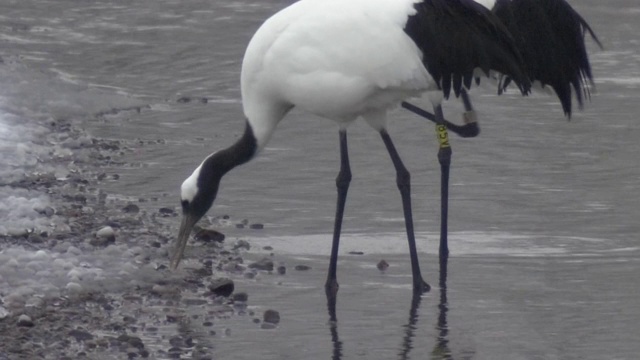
column 218, row 164
column 238, row 153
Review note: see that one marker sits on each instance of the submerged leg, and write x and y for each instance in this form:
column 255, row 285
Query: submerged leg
column 403, row 179
column 342, row 183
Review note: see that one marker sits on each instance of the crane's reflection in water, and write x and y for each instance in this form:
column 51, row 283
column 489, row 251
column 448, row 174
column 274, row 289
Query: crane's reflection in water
column 441, row 350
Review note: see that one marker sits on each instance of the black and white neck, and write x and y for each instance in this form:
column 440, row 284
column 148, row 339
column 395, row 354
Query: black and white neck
column 200, row 189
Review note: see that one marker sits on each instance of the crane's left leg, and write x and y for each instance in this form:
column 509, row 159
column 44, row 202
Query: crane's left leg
column 403, row 180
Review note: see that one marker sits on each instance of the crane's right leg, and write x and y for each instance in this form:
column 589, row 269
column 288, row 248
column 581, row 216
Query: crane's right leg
column 342, row 183
column 403, row 180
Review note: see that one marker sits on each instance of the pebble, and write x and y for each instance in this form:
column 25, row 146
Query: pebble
column 131, row 209
column 222, row 287
column 73, row 287
column 25, row 320
column 107, row 233
column 80, row 335
column 356, row 253
column 382, row 265
column 166, row 212
column 282, row 270
column 209, row 235
column 271, row 316
column 3, row 312
column 264, row 264
column 302, row 267
column 242, row 244
column 256, row 226
column 241, row 296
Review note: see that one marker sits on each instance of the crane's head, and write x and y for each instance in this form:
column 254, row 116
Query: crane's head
column 197, row 194
column 199, row 190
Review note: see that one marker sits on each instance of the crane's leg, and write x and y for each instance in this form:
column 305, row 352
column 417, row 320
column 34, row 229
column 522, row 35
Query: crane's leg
column 444, row 158
column 342, row 183
column 403, row 180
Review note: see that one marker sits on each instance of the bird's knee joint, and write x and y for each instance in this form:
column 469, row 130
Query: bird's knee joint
column 343, row 179
column 403, row 179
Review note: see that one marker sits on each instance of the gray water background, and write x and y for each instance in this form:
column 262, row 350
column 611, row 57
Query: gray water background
column 543, row 216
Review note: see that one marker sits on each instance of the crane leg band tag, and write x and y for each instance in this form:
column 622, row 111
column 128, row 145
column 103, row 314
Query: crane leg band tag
column 443, row 136
column 469, row 117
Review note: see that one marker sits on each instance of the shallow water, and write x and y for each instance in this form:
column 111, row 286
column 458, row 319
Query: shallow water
column 543, row 214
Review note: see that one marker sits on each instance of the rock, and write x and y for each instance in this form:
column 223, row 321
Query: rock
column 282, row 270
column 80, row 335
column 302, row 267
column 221, row 287
column 104, row 237
column 208, row 235
column 264, row 264
column 47, row 211
column 267, row 248
column 271, row 316
column 267, row 326
column 356, row 253
column 241, row 296
column 382, row 265
column 25, row 321
column 3, row 312
column 131, row 209
column 256, row 226
column 242, row 244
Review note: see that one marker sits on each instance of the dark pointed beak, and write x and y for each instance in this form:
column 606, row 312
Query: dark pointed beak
column 188, row 221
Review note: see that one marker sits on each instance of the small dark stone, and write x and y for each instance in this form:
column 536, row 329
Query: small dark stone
column 240, row 226
column 221, row 287
column 115, row 176
column 256, row 321
column 144, row 353
column 256, row 226
column 282, row 270
column 356, row 253
column 208, row 235
column 136, row 342
column 264, row 264
column 271, row 316
column 176, row 341
column 207, row 323
column 131, row 209
column 302, row 267
column 184, row 100
column 268, row 248
column 189, row 342
column 171, row 318
column 80, row 335
column 267, row 326
column 382, row 265
column 241, row 296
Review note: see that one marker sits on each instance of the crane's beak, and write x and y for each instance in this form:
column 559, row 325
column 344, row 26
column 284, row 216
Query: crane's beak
column 188, row 221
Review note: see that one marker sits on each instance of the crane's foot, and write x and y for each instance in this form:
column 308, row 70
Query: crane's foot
column 421, row 287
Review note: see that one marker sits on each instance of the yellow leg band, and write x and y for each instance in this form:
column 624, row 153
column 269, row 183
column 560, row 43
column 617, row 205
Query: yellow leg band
column 443, row 136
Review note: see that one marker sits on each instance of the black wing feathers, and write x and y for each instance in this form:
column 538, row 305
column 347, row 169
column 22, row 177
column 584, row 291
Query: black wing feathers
column 458, row 36
column 550, row 36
